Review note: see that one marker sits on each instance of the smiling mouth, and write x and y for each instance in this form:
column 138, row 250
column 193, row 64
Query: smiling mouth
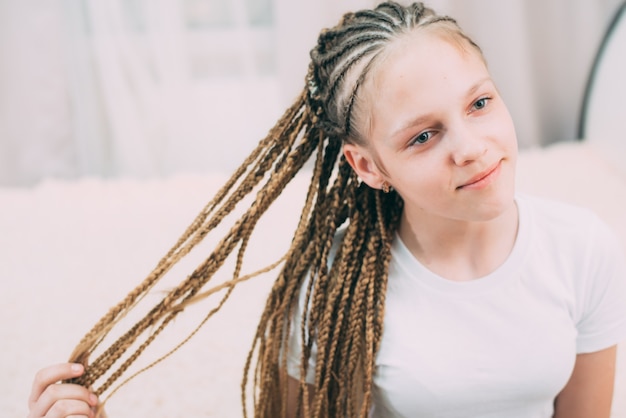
column 482, row 179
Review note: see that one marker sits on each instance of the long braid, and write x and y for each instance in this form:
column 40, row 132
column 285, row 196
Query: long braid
column 248, row 176
column 344, row 299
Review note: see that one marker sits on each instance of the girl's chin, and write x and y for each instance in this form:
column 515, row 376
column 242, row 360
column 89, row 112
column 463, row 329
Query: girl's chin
column 493, row 210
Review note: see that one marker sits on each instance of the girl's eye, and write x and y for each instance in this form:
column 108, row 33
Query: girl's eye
column 481, row 103
column 422, row 138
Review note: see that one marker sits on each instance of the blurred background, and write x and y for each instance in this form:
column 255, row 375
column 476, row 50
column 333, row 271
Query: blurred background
column 153, row 88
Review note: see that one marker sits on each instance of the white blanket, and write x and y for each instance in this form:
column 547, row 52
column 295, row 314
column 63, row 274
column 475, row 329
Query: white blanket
column 70, row 250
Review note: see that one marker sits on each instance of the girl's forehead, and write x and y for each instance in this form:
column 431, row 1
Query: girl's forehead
column 424, row 59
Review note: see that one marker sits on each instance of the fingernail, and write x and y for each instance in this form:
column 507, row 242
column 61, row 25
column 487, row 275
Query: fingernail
column 93, row 399
column 77, row 368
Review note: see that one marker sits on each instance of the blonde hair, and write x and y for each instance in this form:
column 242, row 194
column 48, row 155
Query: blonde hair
column 346, row 298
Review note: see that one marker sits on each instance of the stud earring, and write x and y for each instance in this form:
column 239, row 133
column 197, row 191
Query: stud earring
column 386, row 188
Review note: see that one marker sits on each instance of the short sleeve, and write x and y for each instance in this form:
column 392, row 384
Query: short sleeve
column 603, row 320
column 294, row 348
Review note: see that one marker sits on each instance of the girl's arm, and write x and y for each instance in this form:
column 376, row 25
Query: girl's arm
column 589, row 392
column 292, row 396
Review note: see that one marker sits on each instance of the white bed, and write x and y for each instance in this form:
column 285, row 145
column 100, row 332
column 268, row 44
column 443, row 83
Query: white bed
column 70, row 250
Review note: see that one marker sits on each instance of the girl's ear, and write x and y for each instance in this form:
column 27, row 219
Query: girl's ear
column 361, row 161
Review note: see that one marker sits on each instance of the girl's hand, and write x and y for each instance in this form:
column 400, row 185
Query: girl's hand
column 51, row 399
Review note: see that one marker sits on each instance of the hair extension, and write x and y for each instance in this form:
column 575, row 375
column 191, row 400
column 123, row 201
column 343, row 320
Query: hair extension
column 346, row 298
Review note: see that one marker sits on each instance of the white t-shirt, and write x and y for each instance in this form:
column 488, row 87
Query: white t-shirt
column 503, row 345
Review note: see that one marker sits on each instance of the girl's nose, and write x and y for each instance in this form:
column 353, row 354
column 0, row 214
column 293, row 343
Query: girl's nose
column 466, row 146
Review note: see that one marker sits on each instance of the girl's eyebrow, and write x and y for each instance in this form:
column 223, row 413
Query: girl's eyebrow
column 421, row 118
column 410, row 123
column 477, row 85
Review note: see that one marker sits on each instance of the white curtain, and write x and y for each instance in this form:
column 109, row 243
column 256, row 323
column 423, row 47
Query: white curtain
column 132, row 88
column 147, row 88
column 167, row 81
column 35, row 132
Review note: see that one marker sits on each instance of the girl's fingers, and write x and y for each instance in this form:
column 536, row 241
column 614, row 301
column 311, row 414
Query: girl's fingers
column 51, row 399
column 58, row 393
column 50, row 375
column 66, row 408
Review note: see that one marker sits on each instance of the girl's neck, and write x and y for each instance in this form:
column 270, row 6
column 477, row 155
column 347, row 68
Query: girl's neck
column 461, row 250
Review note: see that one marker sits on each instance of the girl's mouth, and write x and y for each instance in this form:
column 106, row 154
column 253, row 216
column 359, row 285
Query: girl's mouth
column 482, row 179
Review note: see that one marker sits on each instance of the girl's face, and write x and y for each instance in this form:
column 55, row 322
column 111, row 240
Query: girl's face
column 437, row 131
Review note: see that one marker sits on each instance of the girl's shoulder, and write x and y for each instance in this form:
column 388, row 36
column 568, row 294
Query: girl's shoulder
column 563, row 221
column 556, row 211
column 577, row 239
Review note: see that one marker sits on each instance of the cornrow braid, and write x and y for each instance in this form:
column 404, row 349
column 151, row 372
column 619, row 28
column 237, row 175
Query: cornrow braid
column 355, row 44
column 345, row 298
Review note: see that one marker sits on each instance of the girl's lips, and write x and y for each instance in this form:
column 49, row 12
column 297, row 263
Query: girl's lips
column 482, row 179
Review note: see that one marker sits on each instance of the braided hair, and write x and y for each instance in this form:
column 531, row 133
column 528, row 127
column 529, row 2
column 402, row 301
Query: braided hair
column 345, row 297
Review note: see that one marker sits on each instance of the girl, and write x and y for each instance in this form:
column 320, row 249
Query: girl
column 418, row 282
